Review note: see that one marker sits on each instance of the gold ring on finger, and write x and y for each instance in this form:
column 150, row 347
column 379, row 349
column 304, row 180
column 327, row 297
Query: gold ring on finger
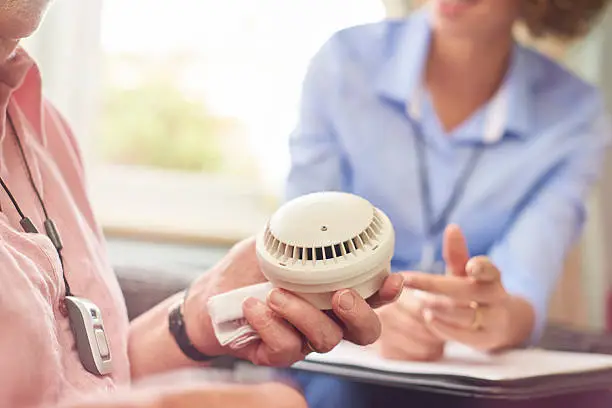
column 308, row 348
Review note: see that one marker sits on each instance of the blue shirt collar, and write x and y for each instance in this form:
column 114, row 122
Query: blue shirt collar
column 401, row 74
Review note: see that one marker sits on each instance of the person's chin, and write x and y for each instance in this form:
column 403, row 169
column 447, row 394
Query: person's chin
column 21, row 24
column 26, row 27
column 454, row 29
column 456, row 16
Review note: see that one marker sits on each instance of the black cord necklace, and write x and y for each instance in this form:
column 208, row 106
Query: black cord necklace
column 84, row 316
column 25, row 222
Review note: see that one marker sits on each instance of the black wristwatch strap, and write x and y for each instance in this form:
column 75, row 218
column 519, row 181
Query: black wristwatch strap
column 177, row 328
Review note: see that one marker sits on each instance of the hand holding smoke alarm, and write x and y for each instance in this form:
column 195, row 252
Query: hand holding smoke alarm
column 312, row 246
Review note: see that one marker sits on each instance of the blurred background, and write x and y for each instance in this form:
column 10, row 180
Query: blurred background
column 183, row 110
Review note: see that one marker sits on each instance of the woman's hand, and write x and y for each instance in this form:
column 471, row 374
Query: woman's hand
column 273, row 395
column 471, row 305
column 289, row 326
column 405, row 335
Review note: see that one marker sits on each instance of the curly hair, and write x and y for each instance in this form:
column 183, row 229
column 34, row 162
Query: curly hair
column 562, row 19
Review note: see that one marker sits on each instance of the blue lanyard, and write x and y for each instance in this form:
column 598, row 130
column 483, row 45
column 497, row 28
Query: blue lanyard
column 436, row 226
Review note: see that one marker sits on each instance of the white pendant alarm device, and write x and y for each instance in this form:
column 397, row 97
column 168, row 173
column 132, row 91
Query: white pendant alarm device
column 90, row 335
column 312, row 246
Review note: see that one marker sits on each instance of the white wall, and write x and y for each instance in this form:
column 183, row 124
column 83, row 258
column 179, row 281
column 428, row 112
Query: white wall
column 598, row 264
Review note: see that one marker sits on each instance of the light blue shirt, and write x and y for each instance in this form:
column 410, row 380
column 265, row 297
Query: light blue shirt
column 543, row 136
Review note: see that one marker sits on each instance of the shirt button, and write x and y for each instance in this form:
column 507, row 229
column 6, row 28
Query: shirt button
column 62, row 308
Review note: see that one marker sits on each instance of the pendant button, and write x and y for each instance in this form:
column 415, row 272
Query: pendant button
column 102, row 343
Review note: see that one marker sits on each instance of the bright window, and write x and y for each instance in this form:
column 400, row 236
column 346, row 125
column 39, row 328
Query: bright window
column 194, row 100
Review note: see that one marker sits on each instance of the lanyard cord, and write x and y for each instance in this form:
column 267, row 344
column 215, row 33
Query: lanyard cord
column 435, row 227
column 28, row 226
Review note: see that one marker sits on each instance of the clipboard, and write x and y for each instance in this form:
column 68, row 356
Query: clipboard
column 513, row 375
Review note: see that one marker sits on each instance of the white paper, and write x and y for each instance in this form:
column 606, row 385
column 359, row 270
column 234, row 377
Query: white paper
column 461, row 361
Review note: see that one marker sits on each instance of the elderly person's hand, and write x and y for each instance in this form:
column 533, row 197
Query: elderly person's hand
column 470, row 305
column 289, row 326
column 214, row 395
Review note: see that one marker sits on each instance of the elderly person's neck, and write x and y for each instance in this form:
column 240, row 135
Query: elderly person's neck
column 463, row 73
column 13, row 69
column 7, row 49
column 13, row 64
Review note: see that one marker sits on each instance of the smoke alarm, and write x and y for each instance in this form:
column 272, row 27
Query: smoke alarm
column 312, row 246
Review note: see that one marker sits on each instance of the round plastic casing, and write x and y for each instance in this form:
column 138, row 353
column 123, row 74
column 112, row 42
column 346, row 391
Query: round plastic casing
column 320, row 243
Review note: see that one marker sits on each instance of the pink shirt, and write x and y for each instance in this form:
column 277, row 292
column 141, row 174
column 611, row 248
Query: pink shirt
column 39, row 364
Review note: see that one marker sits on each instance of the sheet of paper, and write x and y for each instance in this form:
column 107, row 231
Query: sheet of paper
column 461, row 361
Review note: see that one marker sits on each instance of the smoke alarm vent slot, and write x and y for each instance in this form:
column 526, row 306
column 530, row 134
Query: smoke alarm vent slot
column 352, row 246
column 275, row 245
column 319, row 254
column 309, row 254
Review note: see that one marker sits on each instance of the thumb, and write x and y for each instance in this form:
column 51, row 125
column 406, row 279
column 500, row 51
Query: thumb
column 455, row 251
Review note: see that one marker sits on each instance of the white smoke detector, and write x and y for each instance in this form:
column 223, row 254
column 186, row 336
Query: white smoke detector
column 320, row 243
column 312, row 246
